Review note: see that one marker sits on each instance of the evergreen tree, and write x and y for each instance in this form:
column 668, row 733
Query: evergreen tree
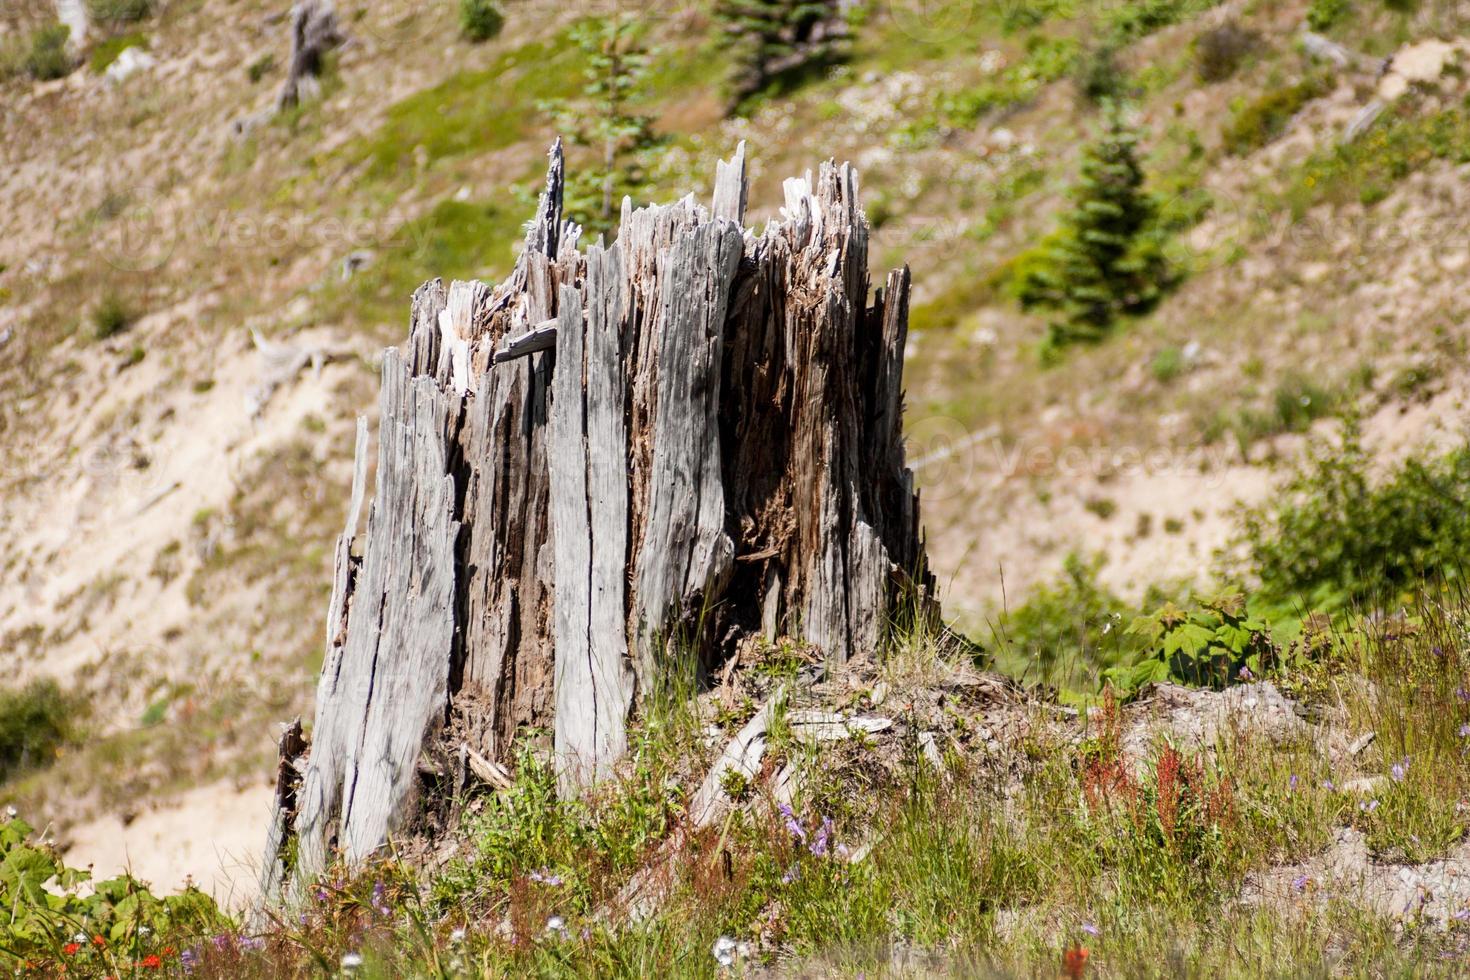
column 775, row 38
column 1105, row 260
column 604, row 120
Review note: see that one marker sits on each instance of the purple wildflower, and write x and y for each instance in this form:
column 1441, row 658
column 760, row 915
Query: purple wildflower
column 546, row 876
column 380, row 906
column 1368, row 806
column 1464, row 730
column 1245, row 673
column 793, row 826
column 1291, row 783
column 792, row 873
column 824, row 836
column 1300, row 883
column 1400, row 770
column 1091, row 929
column 188, row 958
column 1327, row 784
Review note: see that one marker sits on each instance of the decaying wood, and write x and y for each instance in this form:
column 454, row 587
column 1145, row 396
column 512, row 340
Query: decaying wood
column 314, row 32
column 619, row 458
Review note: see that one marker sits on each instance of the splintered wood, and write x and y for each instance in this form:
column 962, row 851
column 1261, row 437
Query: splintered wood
column 621, row 455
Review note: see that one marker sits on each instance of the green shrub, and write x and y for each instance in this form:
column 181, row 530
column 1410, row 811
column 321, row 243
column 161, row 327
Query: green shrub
column 119, row 11
column 48, row 57
column 1065, row 633
column 111, row 317
column 1258, row 123
column 1334, row 537
column 34, row 722
column 261, row 67
column 1167, row 365
column 1098, row 77
column 1212, row 644
column 1323, row 15
column 104, row 54
column 1219, row 51
column 480, row 19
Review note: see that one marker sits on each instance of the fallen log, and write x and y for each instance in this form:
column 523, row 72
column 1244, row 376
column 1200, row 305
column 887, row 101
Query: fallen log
column 621, row 457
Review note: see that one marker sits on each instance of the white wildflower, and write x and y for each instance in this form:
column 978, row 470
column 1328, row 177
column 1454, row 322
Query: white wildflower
column 351, row 961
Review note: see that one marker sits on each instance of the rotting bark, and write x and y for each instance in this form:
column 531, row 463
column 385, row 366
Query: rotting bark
column 671, row 446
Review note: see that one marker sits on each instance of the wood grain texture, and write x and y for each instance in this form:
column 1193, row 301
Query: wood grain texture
column 617, row 457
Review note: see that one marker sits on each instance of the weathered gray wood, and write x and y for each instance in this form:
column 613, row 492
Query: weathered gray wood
column 539, row 338
column 388, row 683
column 664, row 446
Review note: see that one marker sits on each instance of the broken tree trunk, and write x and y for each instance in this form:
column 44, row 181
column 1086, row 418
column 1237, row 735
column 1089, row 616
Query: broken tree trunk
column 621, row 456
column 314, row 32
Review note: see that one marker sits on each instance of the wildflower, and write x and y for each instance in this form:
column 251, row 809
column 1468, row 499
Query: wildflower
column 1464, row 730
column 1400, row 770
column 151, row 961
column 1328, row 786
column 1091, row 929
column 250, row 944
column 824, row 835
column 457, row 936
column 1300, row 883
column 1074, row 962
column 557, row 926
column 792, row 873
column 545, row 876
column 1461, row 915
column 1245, row 673
column 351, row 961
column 1368, row 806
column 70, row 949
column 98, row 941
column 1291, row 783
column 189, row 958
column 793, row 827
column 11, row 812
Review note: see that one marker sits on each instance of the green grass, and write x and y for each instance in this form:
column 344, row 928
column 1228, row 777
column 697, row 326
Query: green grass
column 36, row 722
column 455, row 240
column 473, row 112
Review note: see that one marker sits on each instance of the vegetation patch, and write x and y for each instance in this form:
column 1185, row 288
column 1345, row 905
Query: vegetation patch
column 36, row 722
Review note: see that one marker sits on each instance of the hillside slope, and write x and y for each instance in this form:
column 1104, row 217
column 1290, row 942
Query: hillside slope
column 170, row 494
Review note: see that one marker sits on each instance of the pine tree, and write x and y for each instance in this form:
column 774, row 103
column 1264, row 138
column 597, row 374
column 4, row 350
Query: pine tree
column 775, row 38
column 1104, row 261
column 605, row 121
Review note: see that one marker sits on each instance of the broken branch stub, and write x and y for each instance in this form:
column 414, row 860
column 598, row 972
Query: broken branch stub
column 677, row 442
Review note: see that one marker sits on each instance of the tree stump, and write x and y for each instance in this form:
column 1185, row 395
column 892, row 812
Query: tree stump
column 673, row 445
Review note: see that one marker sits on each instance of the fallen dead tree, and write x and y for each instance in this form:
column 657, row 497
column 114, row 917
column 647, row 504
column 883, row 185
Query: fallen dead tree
column 622, row 456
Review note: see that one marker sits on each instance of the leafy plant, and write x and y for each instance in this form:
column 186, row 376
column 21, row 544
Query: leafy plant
column 104, row 54
column 1210, row 645
column 34, row 722
column 1334, row 537
column 1106, row 259
column 118, row 927
column 480, row 20
column 48, row 57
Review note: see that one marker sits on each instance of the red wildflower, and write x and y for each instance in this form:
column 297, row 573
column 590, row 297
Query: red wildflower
column 70, row 949
column 150, row 962
column 98, row 941
column 1074, row 962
